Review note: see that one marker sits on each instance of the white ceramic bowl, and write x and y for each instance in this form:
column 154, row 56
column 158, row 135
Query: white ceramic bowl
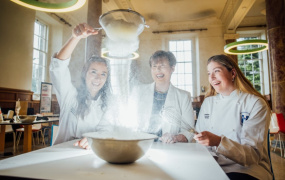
column 120, row 149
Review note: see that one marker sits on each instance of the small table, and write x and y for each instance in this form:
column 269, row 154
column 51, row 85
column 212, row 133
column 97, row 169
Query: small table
column 163, row 161
column 27, row 147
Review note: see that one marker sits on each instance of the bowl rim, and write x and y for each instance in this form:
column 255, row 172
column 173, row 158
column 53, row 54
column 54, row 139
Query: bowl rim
column 87, row 135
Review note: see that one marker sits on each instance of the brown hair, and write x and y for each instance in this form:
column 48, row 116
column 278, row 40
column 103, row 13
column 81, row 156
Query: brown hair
column 163, row 54
column 83, row 96
column 240, row 81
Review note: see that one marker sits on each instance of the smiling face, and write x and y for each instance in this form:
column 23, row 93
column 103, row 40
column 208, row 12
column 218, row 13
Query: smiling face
column 96, row 77
column 161, row 72
column 220, row 78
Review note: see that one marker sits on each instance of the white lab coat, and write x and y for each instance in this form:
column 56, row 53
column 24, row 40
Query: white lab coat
column 243, row 147
column 141, row 103
column 70, row 126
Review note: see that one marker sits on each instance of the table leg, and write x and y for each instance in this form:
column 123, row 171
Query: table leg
column 27, row 138
column 2, row 138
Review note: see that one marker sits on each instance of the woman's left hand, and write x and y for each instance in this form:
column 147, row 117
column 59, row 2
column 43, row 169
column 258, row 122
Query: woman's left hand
column 82, row 143
column 208, row 139
column 170, row 138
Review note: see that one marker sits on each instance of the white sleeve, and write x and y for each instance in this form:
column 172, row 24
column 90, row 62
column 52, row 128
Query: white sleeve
column 61, row 80
column 187, row 117
column 201, row 121
column 253, row 143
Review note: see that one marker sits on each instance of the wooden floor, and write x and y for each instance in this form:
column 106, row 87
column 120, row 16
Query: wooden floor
column 278, row 163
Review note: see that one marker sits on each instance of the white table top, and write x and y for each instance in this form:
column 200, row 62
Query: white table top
column 162, row 161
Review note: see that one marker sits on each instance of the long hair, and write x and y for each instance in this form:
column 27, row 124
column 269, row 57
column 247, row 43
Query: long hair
column 83, row 96
column 240, row 81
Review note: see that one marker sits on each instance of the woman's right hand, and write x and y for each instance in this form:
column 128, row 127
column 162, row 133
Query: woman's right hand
column 80, row 31
column 83, row 143
column 207, row 138
column 83, row 30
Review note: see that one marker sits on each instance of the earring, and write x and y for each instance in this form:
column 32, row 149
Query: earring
column 233, row 79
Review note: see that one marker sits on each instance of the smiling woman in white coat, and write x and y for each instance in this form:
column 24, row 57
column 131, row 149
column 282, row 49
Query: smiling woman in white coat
column 148, row 100
column 83, row 109
column 233, row 122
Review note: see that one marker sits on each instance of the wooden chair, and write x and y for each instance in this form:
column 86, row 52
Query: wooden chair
column 281, row 132
column 9, row 128
column 277, row 129
column 36, row 128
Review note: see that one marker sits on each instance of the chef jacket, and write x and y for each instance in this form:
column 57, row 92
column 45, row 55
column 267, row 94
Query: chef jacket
column 242, row 120
column 141, row 103
column 70, row 125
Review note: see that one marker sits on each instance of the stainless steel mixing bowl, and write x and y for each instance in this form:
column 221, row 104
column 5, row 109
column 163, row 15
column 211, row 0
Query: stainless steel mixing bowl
column 120, row 150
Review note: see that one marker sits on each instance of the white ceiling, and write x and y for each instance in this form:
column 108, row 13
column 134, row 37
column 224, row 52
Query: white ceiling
column 178, row 10
column 197, row 13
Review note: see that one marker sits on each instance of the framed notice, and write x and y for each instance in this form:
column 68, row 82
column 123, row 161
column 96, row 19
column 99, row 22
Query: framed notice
column 45, row 99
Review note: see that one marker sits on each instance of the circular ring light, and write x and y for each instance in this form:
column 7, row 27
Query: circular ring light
column 51, row 7
column 229, row 47
column 134, row 55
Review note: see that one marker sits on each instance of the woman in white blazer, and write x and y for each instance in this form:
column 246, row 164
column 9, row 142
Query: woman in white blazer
column 148, row 100
column 233, row 122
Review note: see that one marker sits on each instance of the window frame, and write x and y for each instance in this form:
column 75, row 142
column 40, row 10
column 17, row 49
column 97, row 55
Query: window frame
column 193, row 61
column 41, row 65
column 260, row 59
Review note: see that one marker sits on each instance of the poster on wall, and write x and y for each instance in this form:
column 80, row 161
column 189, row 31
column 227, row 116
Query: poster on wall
column 45, row 99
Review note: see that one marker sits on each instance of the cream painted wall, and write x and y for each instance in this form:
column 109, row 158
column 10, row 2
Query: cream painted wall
column 16, row 47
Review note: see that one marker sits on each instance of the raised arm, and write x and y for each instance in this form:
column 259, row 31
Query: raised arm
column 80, row 31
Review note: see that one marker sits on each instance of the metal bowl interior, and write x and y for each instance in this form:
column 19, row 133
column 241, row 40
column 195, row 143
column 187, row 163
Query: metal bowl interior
column 120, row 151
column 118, row 19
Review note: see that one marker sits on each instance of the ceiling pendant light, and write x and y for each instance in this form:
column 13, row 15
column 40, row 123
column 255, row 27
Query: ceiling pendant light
column 228, row 49
column 51, row 7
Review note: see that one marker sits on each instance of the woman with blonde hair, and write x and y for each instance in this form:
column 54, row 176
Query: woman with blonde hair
column 233, row 122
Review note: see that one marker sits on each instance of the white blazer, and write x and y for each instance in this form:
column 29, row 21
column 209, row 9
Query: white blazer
column 141, row 103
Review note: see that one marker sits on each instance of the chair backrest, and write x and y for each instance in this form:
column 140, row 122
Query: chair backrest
column 9, row 128
column 24, row 108
column 273, row 127
column 10, row 114
column 37, row 126
column 268, row 150
column 54, row 129
column 281, row 122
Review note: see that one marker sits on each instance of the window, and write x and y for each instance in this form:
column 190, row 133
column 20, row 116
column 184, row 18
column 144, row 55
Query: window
column 39, row 55
column 182, row 77
column 251, row 65
column 119, row 76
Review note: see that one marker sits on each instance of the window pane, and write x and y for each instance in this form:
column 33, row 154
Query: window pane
column 39, row 56
column 180, row 79
column 187, row 56
column 180, row 46
column 174, row 79
column 188, row 79
column 182, row 76
column 187, row 45
column 180, row 57
column 188, row 67
column 36, row 42
column 172, row 46
column 180, row 67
